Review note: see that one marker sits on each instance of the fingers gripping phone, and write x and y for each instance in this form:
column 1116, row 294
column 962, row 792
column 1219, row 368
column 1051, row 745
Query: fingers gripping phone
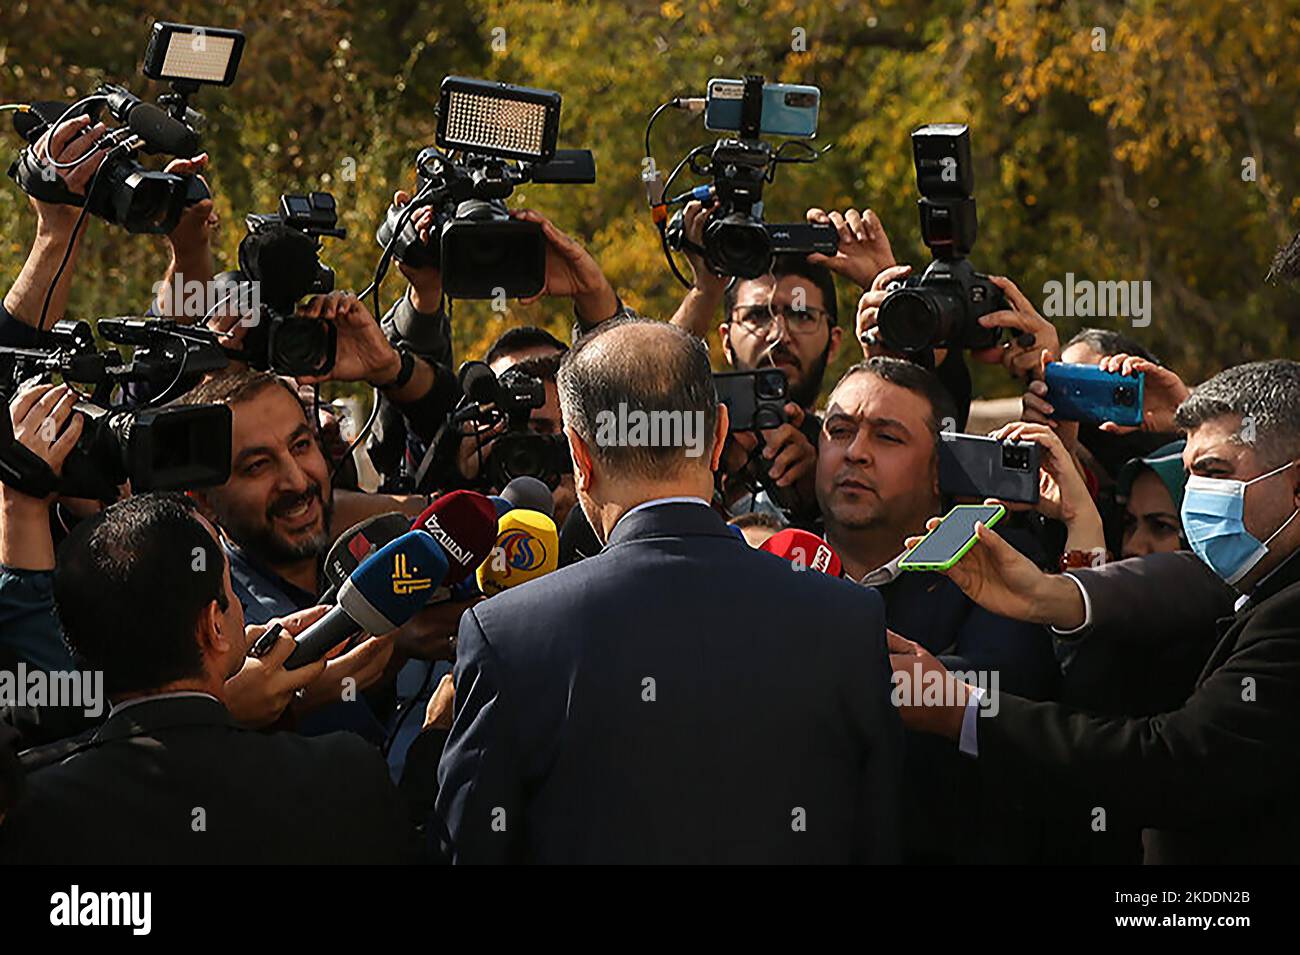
column 1086, row 393
column 945, row 545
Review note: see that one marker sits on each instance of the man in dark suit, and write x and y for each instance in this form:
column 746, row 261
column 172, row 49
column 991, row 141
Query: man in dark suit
column 678, row 697
column 1215, row 780
column 143, row 591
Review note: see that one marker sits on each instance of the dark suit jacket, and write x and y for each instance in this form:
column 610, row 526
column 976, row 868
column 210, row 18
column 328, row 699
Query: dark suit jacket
column 679, row 697
column 131, row 793
column 948, row 815
column 1216, row 780
column 1140, row 655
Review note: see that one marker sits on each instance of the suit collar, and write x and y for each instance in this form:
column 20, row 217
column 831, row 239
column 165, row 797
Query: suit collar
column 668, row 519
column 150, row 714
column 1279, row 578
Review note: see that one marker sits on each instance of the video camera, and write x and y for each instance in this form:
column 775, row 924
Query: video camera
column 490, row 137
column 512, row 397
column 941, row 308
column 281, row 255
column 155, row 448
column 123, row 192
column 736, row 241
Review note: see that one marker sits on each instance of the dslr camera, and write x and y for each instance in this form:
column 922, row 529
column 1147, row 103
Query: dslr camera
column 512, row 397
column 490, row 138
column 123, row 192
column 941, row 308
column 281, row 256
column 155, row 448
column 736, row 241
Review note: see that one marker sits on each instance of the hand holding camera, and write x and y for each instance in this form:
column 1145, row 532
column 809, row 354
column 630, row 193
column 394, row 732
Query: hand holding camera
column 1162, row 393
column 863, row 251
column 572, row 272
column 1062, row 491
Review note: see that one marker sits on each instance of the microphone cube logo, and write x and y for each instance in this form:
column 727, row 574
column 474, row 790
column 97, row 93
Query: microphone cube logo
column 405, row 580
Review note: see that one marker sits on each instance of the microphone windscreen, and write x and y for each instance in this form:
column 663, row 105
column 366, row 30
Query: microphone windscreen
column 160, row 132
column 804, row 550
column 530, row 494
column 464, row 523
column 360, row 541
column 394, row 583
column 501, row 504
column 478, row 383
column 527, row 546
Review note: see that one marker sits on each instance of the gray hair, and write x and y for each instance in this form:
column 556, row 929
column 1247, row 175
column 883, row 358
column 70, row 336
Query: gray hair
column 1264, row 394
column 667, row 371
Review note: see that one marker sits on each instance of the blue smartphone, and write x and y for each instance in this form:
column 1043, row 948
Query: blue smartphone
column 1086, row 393
column 788, row 109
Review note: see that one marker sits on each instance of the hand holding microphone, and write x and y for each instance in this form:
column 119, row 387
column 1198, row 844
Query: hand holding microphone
column 384, row 592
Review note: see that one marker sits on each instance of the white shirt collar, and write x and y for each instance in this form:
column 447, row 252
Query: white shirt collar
column 885, row 574
column 688, row 499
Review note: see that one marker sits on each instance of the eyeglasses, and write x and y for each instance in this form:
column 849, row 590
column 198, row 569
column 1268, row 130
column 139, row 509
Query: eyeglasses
column 759, row 318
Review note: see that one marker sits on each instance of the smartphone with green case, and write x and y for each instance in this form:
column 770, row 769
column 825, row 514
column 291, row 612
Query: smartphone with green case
column 945, row 545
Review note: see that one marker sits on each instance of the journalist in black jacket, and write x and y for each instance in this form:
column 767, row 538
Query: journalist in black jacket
column 1215, row 780
column 144, row 595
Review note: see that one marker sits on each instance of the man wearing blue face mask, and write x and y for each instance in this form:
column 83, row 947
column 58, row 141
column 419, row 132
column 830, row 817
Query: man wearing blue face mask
column 1217, row 779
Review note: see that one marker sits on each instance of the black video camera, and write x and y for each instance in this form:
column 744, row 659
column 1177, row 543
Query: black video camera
column 736, row 241
column 280, row 257
column 155, row 448
column 942, row 307
column 518, row 452
column 123, row 192
column 491, row 137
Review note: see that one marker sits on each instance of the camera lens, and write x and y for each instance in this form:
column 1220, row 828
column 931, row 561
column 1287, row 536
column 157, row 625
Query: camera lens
column 909, row 320
column 765, row 418
column 1015, row 458
column 770, row 385
column 738, row 246
column 1126, row 396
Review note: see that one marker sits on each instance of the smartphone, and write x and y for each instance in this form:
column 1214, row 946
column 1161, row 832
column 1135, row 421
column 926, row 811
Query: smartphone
column 945, row 545
column 1086, row 393
column 755, row 400
column 788, row 109
column 975, row 466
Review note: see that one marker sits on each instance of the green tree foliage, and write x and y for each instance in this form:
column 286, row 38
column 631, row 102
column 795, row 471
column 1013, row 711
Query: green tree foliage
column 1113, row 140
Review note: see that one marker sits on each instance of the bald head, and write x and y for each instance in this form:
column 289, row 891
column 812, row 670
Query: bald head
column 640, row 395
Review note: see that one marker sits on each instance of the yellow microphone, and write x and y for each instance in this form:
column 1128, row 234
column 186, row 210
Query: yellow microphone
column 527, row 546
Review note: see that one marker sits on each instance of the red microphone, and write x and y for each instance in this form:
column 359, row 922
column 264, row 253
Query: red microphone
column 804, row 550
column 464, row 523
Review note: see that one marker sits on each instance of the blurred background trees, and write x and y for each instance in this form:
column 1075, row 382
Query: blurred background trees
column 1118, row 141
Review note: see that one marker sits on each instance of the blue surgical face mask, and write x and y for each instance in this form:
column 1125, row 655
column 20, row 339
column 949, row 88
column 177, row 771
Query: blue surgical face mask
column 1213, row 511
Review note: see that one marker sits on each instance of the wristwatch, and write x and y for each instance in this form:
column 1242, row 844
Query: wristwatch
column 404, row 371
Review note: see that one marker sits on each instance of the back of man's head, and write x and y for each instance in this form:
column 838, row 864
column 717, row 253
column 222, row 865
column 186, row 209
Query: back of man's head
column 640, row 395
column 130, row 583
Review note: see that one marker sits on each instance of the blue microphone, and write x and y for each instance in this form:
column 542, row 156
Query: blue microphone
column 386, row 590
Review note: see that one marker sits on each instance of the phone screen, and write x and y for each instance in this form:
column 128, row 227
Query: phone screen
column 957, row 528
